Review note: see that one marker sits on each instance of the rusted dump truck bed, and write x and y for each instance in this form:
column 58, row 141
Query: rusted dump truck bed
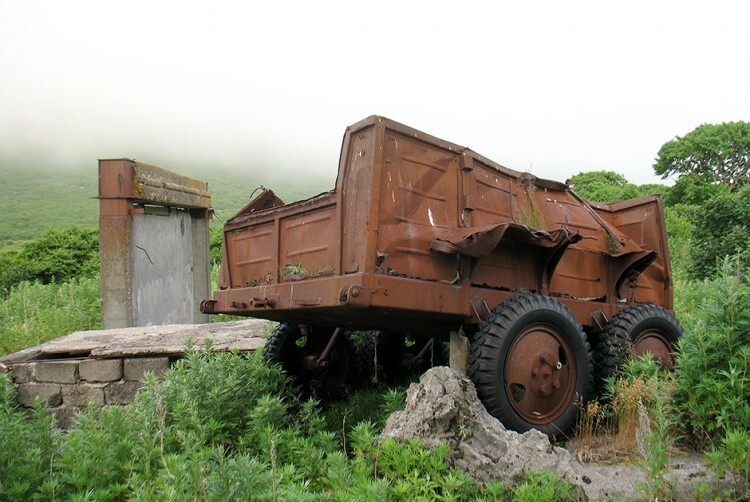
column 420, row 233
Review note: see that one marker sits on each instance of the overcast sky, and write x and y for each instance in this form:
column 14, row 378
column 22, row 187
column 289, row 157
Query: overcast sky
column 553, row 88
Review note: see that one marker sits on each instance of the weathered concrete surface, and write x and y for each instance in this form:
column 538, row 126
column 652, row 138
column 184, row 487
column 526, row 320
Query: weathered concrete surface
column 170, row 340
column 106, row 367
column 443, row 407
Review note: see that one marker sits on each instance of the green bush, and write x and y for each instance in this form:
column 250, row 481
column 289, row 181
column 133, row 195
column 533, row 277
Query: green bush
column 58, row 256
column 713, row 364
column 225, row 427
column 733, row 454
column 720, row 228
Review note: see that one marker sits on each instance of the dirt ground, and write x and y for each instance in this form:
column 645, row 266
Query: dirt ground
column 688, row 475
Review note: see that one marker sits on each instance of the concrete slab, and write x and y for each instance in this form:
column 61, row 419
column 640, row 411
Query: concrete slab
column 170, row 340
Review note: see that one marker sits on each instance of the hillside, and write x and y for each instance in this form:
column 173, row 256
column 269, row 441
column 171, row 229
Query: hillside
column 34, row 200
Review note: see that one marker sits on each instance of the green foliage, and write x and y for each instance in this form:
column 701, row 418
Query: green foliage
column 369, row 404
column 603, row 186
column 35, row 313
column 29, row 446
column 712, row 153
column 58, row 256
column 215, row 243
column 733, row 454
column 609, row 186
column 61, row 255
column 692, row 190
column 713, row 370
column 720, row 228
column 542, row 487
column 678, row 221
column 226, row 427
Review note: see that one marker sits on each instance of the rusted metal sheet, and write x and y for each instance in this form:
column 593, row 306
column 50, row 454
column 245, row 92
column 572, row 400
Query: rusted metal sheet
column 424, row 233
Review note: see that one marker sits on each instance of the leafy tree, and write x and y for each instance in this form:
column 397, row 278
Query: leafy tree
column 692, row 190
column 711, row 153
column 603, row 186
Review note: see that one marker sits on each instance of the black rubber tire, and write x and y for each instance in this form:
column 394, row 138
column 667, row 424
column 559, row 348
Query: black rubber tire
column 623, row 332
column 287, row 347
column 381, row 359
column 502, row 336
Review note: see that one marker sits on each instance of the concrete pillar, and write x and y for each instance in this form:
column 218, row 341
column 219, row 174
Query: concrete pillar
column 459, row 352
column 154, row 245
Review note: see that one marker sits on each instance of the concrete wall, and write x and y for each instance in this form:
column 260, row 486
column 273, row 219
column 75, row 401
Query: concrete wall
column 162, row 268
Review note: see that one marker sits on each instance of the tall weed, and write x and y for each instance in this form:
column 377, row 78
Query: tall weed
column 34, row 313
column 29, row 444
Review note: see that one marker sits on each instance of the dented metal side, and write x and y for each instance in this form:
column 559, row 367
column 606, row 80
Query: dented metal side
column 422, row 232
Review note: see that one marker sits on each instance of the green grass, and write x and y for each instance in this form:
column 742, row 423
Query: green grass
column 34, row 200
column 35, row 313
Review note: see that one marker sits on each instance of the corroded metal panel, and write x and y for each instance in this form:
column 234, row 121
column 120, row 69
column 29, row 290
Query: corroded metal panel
column 419, row 190
column 357, row 197
column 252, row 255
column 424, row 233
column 308, row 244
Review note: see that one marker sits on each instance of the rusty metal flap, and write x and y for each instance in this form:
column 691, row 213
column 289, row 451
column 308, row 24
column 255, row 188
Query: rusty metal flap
column 266, row 200
column 481, row 241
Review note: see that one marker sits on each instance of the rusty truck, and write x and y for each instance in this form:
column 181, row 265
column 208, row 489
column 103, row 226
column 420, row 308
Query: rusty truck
column 421, row 238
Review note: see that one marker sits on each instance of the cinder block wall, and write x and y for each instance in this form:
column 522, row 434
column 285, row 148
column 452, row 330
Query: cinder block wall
column 67, row 386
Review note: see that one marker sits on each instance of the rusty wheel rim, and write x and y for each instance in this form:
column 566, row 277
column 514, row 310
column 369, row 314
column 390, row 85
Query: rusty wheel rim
column 540, row 374
column 656, row 343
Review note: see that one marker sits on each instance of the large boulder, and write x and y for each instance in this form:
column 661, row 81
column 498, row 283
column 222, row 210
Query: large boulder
column 443, row 407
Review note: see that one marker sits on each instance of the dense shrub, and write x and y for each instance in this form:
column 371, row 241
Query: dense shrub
column 28, row 444
column 720, row 228
column 58, row 256
column 713, row 371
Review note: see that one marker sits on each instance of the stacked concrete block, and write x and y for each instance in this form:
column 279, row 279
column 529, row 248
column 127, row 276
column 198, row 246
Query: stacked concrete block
column 68, row 386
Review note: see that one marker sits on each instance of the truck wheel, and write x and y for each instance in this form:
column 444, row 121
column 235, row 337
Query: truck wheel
column 297, row 353
column 636, row 330
column 390, row 357
column 530, row 364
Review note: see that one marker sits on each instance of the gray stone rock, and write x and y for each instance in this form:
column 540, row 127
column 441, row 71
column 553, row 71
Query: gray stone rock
column 121, row 392
column 80, row 395
column 49, row 394
column 23, row 373
column 444, row 406
column 100, row 370
column 135, row 368
column 57, row 371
